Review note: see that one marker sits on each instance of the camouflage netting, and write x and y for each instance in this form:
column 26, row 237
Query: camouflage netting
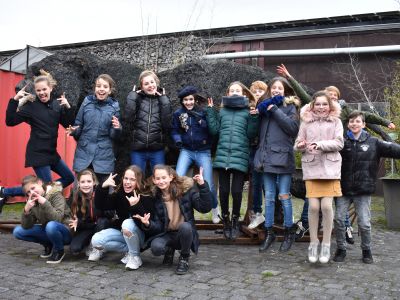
column 75, row 75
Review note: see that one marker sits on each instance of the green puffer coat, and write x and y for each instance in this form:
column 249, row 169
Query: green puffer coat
column 235, row 126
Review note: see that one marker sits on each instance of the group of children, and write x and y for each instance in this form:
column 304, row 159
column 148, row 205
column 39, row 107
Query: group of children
column 257, row 129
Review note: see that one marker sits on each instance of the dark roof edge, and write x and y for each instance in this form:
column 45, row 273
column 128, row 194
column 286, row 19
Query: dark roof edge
column 220, row 30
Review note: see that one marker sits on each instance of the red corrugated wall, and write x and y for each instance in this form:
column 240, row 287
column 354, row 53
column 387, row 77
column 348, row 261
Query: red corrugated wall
column 13, row 140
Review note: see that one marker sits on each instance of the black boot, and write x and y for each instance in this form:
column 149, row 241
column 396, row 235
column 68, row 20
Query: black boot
column 235, row 227
column 183, row 265
column 289, row 237
column 227, row 226
column 269, row 238
column 340, row 255
column 367, row 257
column 169, row 257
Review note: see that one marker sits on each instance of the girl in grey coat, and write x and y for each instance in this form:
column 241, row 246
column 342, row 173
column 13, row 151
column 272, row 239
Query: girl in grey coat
column 274, row 156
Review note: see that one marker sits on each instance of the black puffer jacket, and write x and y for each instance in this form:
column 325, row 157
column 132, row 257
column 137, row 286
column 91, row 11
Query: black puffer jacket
column 196, row 197
column 43, row 119
column 360, row 160
column 149, row 117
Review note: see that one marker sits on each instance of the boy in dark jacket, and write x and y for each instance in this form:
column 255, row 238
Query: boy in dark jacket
column 361, row 155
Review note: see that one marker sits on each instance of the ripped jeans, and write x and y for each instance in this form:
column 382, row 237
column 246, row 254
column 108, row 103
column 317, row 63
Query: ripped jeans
column 111, row 239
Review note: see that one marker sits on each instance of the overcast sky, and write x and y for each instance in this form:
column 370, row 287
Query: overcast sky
column 54, row 22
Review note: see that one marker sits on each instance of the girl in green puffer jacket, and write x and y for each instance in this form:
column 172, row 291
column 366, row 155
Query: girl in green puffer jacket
column 235, row 124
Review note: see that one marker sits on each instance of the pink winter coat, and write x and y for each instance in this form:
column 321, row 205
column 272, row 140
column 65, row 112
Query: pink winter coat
column 327, row 133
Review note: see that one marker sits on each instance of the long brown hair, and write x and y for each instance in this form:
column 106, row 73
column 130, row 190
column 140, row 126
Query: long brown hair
column 78, row 199
column 141, row 187
column 176, row 187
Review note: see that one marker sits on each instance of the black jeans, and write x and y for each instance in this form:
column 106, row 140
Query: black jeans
column 181, row 240
column 82, row 238
column 236, row 190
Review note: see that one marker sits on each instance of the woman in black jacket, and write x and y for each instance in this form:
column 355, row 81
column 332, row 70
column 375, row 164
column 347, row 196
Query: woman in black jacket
column 126, row 234
column 176, row 197
column 148, row 112
column 43, row 113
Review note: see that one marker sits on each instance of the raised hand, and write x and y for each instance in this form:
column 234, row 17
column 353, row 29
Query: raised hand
column 29, row 204
column 210, row 102
column 21, row 93
column 145, row 219
column 199, row 177
column 115, row 122
column 70, row 130
column 39, row 198
column 281, row 69
column 160, row 94
column 133, row 199
column 110, row 181
column 73, row 223
column 63, row 101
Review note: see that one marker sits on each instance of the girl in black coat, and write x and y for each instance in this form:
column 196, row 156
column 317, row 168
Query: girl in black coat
column 129, row 200
column 86, row 218
column 148, row 112
column 43, row 113
column 176, row 197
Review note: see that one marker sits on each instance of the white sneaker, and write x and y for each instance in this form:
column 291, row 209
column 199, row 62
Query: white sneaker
column 215, row 215
column 88, row 250
column 325, row 253
column 134, row 262
column 313, row 252
column 96, row 254
column 259, row 219
column 124, row 260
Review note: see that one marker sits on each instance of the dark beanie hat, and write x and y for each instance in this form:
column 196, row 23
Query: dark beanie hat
column 186, row 91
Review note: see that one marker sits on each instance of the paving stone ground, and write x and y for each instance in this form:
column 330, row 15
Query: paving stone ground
column 217, row 272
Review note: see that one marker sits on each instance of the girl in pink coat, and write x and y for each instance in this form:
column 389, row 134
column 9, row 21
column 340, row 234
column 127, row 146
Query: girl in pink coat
column 320, row 139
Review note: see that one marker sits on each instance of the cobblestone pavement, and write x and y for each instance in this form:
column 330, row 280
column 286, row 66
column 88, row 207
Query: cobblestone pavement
column 218, row 272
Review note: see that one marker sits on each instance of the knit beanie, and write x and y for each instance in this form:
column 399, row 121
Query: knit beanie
column 186, row 91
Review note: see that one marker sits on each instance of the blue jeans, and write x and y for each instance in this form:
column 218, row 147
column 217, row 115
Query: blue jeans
column 273, row 181
column 114, row 240
column 201, row 159
column 54, row 233
column 304, row 213
column 362, row 206
column 44, row 173
column 140, row 158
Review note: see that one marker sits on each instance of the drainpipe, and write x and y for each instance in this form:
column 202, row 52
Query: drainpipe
column 304, row 52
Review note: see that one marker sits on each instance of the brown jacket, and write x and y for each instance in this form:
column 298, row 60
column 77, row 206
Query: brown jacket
column 54, row 209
